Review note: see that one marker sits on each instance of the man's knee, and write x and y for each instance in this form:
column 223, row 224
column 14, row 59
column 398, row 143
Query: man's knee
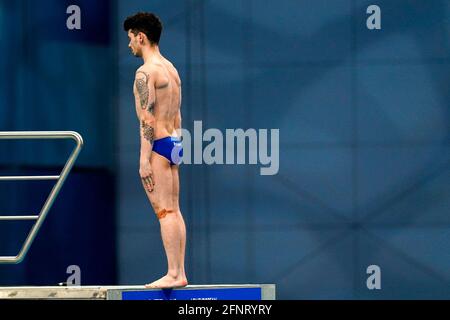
column 161, row 209
column 162, row 213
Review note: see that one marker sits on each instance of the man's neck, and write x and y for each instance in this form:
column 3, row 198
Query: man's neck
column 150, row 52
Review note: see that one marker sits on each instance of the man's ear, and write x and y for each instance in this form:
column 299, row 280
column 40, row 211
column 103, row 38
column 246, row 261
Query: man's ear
column 141, row 37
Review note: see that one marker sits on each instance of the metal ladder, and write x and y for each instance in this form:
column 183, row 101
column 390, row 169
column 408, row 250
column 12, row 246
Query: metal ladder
column 39, row 219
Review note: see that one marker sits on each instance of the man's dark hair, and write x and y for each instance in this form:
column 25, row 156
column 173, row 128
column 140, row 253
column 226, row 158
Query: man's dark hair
column 145, row 22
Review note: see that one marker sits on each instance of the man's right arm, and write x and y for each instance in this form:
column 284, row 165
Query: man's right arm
column 145, row 102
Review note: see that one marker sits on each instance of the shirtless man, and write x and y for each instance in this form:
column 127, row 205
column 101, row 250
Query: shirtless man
column 157, row 91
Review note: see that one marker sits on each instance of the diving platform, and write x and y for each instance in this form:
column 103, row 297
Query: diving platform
column 190, row 292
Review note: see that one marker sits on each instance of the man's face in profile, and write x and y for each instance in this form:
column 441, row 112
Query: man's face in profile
column 134, row 44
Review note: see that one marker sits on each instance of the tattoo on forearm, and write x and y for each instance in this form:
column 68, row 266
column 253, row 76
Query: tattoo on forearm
column 148, row 132
column 142, row 89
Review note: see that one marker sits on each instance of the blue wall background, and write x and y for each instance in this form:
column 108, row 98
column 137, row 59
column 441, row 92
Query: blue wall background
column 364, row 150
column 55, row 79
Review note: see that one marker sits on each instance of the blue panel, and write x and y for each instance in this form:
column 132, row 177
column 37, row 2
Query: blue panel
column 128, row 138
column 313, row 70
column 134, row 202
column 198, row 256
column 224, row 31
column 313, row 185
column 230, row 197
column 140, row 256
column 403, row 103
column 413, row 208
column 291, row 32
column 199, row 294
column 48, row 20
column 65, row 79
column 308, row 104
column 283, row 249
column 325, row 272
column 79, row 230
column 414, row 263
column 226, row 98
column 415, row 30
column 423, row 247
column 386, row 175
column 229, row 255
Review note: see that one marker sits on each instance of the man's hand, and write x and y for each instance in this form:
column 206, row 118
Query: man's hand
column 145, row 171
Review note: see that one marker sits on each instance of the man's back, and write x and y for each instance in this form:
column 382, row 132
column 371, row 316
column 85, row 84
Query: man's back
column 167, row 91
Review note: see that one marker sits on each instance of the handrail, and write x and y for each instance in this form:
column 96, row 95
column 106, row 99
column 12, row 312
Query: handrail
column 28, row 178
column 19, row 135
column 15, row 218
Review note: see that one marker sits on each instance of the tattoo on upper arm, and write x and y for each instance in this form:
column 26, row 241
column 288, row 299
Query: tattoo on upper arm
column 142, row 89
column 148, row 132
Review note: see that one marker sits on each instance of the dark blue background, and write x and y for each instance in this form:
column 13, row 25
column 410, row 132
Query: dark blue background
column 364, row 150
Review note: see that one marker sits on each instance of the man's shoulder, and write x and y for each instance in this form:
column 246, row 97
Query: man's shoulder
column 172, row 69
column 151, row 68
column 169, row 63
column 147, row 72
column 143, row 69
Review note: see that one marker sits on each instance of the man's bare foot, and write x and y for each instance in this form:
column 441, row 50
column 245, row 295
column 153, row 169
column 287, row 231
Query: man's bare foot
column 168, row 282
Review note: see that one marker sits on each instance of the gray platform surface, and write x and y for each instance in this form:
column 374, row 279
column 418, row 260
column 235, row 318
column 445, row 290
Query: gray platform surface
column 112, row 292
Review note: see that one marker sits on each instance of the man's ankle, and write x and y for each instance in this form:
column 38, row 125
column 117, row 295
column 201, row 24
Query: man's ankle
column 174, row 273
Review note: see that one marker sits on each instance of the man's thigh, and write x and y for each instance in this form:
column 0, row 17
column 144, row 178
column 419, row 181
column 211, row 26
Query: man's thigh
column 162, row 195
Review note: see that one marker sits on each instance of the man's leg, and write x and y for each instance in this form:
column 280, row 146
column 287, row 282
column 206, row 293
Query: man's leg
column 176, row 201
column 161, row 199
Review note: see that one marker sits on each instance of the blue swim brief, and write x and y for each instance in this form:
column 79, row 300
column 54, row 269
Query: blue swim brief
column 170, row 148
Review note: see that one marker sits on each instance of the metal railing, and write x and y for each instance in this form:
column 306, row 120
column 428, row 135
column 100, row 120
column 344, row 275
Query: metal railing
column 39, row 219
